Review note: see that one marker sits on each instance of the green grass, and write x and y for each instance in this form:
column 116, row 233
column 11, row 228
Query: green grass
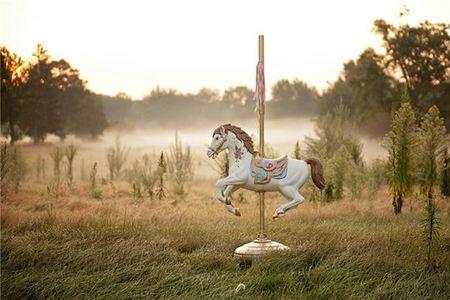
column 363, row 256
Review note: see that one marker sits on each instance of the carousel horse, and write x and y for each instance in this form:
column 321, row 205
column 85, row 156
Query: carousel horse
column 249, row 171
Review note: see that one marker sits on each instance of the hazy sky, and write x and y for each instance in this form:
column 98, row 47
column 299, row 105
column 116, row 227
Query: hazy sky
column 132, row 46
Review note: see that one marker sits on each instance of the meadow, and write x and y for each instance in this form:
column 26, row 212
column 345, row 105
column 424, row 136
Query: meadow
column 119, row 246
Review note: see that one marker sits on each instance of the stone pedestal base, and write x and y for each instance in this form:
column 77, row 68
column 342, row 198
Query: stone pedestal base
column 258, row 248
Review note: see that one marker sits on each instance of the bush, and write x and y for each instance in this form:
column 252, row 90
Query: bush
column 340, row 152
column 93, row 189
column 161, row 171
column 180, row 166
column 401, row 142
column 13, row 169
column 376, row 175
column 116, row 157
column 70, row 152
column 55, row 185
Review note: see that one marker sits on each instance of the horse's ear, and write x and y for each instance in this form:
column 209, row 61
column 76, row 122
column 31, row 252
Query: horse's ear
column 222, row 130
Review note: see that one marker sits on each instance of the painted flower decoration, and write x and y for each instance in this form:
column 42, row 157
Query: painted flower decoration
column 238, row 153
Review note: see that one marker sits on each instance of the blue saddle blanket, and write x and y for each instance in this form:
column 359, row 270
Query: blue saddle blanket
column 263, row 170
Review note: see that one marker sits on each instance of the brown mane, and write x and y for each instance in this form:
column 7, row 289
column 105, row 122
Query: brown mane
column 240, row 134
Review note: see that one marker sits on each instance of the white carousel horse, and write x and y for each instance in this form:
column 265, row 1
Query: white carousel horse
column 248, row 171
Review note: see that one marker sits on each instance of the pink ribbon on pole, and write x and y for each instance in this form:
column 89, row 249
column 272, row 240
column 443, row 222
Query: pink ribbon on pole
column 260, row 89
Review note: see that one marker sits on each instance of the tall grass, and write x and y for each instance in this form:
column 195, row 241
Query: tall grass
column 187, row 254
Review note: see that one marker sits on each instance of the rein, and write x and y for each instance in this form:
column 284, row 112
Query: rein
column 215, row 151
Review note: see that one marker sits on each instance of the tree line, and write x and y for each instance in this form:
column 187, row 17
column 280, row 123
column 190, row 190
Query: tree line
column 369, row 87
column 45, row 96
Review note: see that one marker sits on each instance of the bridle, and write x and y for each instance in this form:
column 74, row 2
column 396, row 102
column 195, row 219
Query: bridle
column 215, row 151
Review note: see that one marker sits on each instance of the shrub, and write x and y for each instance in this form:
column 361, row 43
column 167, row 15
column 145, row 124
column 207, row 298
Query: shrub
column 82, row 171
column 5, row 169
column 18, row 170
column 340, row 151
column 133, row 176
column 181, row 165
column 297, row 152
column 12, row 169
column 162, row 169
column 376, row 175
column 116, row 156
column 40, row 168
column 148, row 177
column 93, row 189
column 54, row 187
column 445, row 175
column 433, row 143
column 70, row 152
column 401, row 142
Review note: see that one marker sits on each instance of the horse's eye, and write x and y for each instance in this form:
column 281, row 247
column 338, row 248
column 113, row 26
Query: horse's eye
column 217, row 137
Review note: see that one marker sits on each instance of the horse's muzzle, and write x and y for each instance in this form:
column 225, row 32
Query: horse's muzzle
column 211, row 154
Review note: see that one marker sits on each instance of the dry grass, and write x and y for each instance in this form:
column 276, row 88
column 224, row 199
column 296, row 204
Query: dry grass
column 78, row 247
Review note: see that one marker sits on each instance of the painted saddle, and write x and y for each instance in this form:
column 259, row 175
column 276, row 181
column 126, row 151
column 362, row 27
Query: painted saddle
column 263, row 170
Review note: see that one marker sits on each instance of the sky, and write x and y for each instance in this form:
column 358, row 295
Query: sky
column 133, row 46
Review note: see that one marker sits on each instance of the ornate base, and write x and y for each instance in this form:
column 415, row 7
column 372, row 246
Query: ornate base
column 258, row 248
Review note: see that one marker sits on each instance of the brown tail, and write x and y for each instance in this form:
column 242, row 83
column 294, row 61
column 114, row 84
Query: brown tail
column 316, row 172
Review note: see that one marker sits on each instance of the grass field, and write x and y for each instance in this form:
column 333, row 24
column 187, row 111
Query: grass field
column 75, row 247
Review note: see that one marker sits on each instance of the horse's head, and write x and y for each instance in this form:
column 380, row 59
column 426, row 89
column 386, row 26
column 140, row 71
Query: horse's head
column 218, row 143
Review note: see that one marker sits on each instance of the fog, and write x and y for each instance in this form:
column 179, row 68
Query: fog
column 281, row 135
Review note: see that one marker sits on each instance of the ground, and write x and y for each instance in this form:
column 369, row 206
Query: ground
column 75, row 247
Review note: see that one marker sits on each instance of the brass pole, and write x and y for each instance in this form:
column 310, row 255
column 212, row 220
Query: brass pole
column 262, row 229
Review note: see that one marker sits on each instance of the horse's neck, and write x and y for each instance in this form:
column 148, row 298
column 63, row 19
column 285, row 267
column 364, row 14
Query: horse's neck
column 238, row 155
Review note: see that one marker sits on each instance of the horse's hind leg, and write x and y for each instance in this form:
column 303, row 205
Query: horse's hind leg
column 291, row 193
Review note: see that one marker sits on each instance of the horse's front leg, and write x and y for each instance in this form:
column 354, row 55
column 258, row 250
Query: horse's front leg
column 231, row 184
column 220, row 186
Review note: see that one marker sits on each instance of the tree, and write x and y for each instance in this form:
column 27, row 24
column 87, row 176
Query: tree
column 365, row 89
column 13, row 76
column 239, row 99
column 89, row 120
column 371, row 87
column 293, row 98
column 42, row 112
column 70, row 89
column 422, row 56
column 400, row 143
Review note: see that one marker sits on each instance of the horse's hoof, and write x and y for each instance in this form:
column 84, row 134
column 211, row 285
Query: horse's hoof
column 237, row 213
column 276, row 216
